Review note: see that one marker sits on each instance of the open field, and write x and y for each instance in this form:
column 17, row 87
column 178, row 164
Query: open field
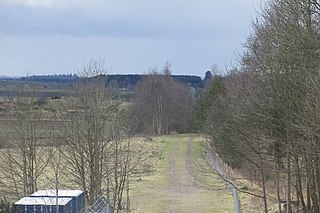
column 13, row 89
column 180, row 181
column 21, row 88
column 174, row 178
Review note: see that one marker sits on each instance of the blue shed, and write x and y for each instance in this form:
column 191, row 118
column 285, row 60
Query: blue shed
column 77, row 197
column 42, row 205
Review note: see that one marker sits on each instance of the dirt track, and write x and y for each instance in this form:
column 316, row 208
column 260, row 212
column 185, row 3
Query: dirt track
column 180, row 177
column 178, row 187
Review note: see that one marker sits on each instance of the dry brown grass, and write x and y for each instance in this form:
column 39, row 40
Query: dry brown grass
column 175, row 185
column 173, row 177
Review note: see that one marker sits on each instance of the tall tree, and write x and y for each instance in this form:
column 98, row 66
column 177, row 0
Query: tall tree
column 23, row 158
column 91, row 110
column 267, row 107
column 203, row 104
column 96, row 128
column 163, row 104
column 283, row 51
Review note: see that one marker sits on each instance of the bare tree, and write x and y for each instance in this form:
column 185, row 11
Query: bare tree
column 96, row 147
column 163, row 104
column 23, row 159
column 268, row 108
column 89, row 111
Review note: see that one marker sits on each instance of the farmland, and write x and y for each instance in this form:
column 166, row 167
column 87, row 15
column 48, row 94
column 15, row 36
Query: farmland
column 13, row 88
column 167, row 173
column 173, row 177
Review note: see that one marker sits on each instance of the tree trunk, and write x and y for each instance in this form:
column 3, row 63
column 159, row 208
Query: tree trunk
column 264, row 191
column 299, row 187
column 289, row 207
column 278, row 186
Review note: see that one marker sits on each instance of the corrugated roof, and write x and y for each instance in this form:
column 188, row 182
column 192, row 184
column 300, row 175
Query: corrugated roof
column 46, row 201
column 52, row 192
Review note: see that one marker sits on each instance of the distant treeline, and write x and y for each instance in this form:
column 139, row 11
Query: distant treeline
column 130, row 80
column 64, row 78
column 123, row 81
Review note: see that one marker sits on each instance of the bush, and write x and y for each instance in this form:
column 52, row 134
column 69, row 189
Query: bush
column 5, row 206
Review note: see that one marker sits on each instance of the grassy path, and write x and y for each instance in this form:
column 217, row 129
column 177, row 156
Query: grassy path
column 180, row 180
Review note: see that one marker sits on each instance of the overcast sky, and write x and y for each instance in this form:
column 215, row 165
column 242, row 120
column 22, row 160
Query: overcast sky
column 133, row 36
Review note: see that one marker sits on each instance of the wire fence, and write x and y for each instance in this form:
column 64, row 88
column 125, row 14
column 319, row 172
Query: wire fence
column 102, row 205
column 222, row 169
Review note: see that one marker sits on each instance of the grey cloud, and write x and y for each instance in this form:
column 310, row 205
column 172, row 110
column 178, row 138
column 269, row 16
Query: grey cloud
column 175, row 24
column 132, row 35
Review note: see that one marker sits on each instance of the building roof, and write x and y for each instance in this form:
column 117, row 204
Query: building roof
column 61, row 193
column 45, row 201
